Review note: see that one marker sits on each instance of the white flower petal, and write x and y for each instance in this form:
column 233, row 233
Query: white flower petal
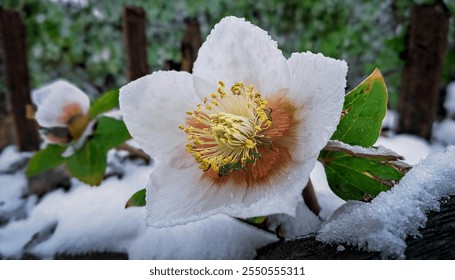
column 154, row 106
column 179, row 193
column 318, row 88
column 238, row 51
column 52, row 98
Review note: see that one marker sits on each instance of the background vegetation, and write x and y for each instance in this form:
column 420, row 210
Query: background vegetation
column 81, row 40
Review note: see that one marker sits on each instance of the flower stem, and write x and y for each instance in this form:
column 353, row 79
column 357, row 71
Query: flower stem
column 310, row 199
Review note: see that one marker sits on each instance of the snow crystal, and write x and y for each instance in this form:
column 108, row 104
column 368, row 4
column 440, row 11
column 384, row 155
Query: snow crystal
column 384, row 224
column 449, row 102
column 444, row 132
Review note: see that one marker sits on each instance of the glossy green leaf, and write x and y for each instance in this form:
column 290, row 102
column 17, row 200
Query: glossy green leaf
column 363, row 111
column 45, row 159
column 137, row 199
column 88, row 164
column 110, row 133
column 104, row 103
column 355, row 178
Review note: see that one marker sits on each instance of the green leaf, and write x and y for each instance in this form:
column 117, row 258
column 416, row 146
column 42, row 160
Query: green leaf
column 104, row 103
column 363, row 111
column 47, row 158
column 257, row 220
column 136, row 200
column 355, row 178
column 110, row 133
column 88, row 164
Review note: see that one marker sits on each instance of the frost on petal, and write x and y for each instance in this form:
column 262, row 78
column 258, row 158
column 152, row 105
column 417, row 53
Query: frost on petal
column 318, row 88
column 56, row 100
column 154, row 106
column 238, row 51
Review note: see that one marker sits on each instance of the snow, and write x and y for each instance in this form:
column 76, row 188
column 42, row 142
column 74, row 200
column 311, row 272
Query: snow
column 10, row 157
column 86, row 219
column 12, row 188
column 328, row 201
column 444, row 132
column 377, row 151
column 449, row 102
column 384, row 224
column 303, row 223
column 411, row 147
column 390, row 121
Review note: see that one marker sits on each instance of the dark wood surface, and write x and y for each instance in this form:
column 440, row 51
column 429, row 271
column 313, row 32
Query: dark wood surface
column 134, row 22
column 14, row 54
column 425, row 52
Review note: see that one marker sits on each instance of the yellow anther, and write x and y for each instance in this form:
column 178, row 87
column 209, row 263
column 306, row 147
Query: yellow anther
column 225, row 132
column 189, row 113
column 249, row 144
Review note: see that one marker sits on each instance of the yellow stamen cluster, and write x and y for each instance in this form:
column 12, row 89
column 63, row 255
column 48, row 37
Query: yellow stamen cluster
column 226, row 129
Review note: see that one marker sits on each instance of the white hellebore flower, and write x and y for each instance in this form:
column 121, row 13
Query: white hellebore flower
column 61, row 111
column 241, row 134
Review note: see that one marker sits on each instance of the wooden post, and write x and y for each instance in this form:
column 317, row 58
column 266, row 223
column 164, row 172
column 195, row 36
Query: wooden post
column 426, row 47
column 192, row 41
column 134, row 21
column 14, row 52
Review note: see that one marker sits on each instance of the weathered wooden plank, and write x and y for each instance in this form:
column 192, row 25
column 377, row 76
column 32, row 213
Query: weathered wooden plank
column 192, row 41
column 133, row 23
column 426, row 48
column 12, row 40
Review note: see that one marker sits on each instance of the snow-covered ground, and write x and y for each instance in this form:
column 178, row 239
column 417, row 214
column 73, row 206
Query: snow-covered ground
column 86, row 219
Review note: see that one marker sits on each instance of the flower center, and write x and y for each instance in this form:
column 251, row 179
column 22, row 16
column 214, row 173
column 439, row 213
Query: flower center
column 76, row 121
column 226, row 129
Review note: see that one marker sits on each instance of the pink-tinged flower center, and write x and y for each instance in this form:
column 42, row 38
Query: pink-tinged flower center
column 227, row 129
column 70, row 112
column 73, row 116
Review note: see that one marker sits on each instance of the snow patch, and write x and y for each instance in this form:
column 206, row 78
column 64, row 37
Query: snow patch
column 87, row 219
column 449, row 102
column 444, row 132
column 412, row 148
column 304, row 223
column 384, row 224
column 217, row 237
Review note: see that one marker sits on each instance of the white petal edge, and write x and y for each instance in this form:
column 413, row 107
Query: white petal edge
column 318, row 90
column 178, row 194
column 154, row 106
column 51, row 98
column 238, row 51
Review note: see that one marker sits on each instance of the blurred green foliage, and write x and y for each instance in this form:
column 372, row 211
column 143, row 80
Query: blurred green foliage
column 81, row 40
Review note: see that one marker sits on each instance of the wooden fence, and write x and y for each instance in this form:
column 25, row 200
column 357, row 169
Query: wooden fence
column 15, row 127
column 419, row 90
